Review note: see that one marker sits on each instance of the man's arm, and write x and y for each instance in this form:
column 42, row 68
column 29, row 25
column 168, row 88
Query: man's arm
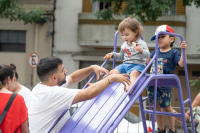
column 181, row 62
column 98, row 87
column 81, row 74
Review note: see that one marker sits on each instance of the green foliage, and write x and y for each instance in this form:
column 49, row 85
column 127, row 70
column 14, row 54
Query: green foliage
column 143, row 9
column 13, row 10
column 189, row 2
column 106, row 14
column 199, row 48
column 196, row 83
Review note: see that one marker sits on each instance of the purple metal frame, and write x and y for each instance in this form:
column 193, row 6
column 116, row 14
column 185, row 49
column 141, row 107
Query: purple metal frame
column 182, row 115
column 115, row 47
column 117, row 112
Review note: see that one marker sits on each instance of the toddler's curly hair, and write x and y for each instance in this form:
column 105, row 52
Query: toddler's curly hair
column 133, row 24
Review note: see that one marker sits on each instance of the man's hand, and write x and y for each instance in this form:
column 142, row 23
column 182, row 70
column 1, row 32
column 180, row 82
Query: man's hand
column 94, row 90
column 99, row 70
column 137, row 47
column 120, row 78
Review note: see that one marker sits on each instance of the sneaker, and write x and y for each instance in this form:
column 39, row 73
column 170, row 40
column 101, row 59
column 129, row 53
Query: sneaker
column 170, row 131
column 161, row 131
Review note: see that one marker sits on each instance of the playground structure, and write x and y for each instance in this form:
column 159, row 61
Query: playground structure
column 103, row 113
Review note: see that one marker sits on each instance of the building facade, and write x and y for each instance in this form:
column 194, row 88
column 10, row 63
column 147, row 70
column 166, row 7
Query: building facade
column 72, row 32
column 19, row 40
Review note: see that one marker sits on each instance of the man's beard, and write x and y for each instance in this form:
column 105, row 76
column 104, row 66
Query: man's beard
column 61, row 82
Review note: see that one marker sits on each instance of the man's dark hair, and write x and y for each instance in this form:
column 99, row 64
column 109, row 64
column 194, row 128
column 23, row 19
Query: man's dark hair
column 47, row 67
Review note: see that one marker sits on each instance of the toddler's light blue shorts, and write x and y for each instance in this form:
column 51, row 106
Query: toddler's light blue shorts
column 128, row 68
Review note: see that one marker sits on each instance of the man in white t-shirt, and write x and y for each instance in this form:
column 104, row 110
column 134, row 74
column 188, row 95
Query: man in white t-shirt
column 50, row 97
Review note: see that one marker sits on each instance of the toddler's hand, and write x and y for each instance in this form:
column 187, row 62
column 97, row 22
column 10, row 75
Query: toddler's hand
column 134, row 44
column 108, row 56
column 183, row 45
column 137, row 47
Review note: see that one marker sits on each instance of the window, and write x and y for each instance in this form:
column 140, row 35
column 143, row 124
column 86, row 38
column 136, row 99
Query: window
column 12, row 41
column 196, row 73
column 100, row 6
column 84, row 64
column 181, row 73
column 104, row 6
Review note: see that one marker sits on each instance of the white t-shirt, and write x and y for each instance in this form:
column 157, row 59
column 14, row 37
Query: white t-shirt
column 26, row 94
column 47, row 104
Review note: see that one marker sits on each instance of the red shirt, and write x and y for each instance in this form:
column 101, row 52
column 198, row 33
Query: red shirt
column 16, row 115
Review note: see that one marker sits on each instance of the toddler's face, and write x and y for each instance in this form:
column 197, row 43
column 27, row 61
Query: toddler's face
column 128, row 36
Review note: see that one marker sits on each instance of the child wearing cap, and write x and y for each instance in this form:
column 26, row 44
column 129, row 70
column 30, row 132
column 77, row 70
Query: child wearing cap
column 168, row 59
column 134, row 51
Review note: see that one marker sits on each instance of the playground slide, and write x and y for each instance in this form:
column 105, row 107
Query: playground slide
column 96, row 115
column 104, row 112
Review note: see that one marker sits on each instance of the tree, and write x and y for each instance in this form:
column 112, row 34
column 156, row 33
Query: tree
column 13, row 10
column 189, row 2
column 143, row 9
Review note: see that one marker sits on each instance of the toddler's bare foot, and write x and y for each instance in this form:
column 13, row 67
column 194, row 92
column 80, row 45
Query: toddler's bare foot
column 127, row 88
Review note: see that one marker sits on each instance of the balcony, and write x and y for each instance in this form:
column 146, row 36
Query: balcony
column 93, row 32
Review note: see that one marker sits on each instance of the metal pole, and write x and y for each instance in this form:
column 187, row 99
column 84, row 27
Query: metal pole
column 31, row 87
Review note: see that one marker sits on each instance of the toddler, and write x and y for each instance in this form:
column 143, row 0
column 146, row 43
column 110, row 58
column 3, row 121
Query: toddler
column 134, row 51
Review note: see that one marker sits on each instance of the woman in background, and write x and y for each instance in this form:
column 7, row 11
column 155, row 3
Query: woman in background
column 17, row 115
column 20, row 89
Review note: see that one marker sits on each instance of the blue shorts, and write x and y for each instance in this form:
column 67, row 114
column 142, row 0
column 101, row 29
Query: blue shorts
column 164, row 96
column 128, row 68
